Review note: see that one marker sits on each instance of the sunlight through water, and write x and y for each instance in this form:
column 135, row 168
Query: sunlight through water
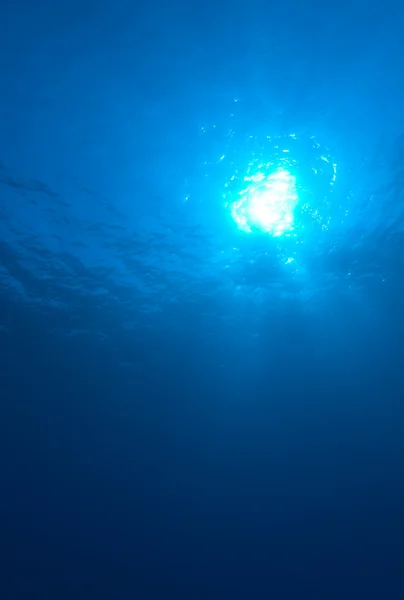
column 284, row 189
column 267, row 202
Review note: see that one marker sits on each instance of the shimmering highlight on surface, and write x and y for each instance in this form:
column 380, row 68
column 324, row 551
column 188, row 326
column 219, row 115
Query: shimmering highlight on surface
column 285, row 190
column 267, row 202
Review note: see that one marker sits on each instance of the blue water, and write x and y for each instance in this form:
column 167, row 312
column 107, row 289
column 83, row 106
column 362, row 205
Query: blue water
column 201, row 299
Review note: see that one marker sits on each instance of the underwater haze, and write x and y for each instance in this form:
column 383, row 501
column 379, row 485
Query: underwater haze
column 201, row 299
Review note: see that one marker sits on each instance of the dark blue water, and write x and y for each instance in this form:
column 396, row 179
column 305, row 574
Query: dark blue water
column 201, row 299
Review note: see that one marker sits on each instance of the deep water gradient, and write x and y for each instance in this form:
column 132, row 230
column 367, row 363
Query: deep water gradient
column 201, row 300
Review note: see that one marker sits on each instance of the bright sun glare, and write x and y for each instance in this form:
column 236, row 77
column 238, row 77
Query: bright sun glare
column 267, row 203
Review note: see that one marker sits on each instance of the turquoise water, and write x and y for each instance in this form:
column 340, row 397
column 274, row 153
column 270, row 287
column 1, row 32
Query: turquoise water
column 201, row 291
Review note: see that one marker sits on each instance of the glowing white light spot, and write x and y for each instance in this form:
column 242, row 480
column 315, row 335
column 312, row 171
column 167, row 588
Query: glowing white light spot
column 267, row 203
